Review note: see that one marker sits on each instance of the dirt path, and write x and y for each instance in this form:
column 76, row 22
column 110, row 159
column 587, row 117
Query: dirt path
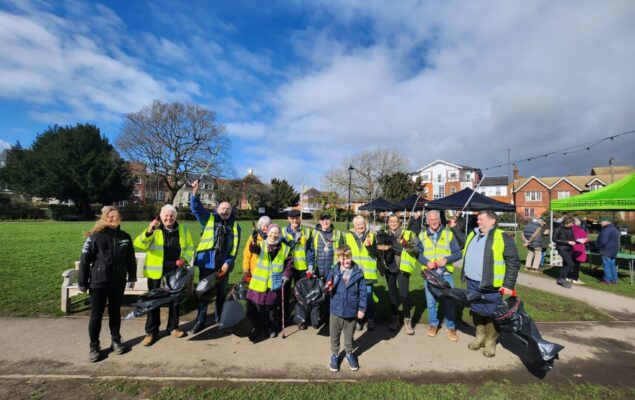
column 57, row 347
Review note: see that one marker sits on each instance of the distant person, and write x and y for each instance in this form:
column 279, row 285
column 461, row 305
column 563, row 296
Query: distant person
column 608, row 243
column 579, row 251
column 415, row 223
column 565, row 240
column 169, row 246
column 216, row 251
column 532, row 240
column 347, row 288
column 107, row 262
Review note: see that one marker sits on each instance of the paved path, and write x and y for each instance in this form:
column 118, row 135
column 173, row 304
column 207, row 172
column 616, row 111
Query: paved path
column 57, row 347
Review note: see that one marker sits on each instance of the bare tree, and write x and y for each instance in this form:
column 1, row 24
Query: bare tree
column 175, row 139
column 369, row 168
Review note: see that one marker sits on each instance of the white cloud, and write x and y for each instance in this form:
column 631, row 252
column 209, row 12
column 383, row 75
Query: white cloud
column 4, row 145
column 67, row 64
column 465, row 81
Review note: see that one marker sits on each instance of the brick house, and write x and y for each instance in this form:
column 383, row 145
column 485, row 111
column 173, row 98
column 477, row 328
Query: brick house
column 533, row 195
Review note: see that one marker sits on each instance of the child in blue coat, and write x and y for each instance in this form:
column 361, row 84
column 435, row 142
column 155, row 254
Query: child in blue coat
column 346, row 284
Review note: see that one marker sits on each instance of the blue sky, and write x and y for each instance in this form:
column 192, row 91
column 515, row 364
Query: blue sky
column 301, row 85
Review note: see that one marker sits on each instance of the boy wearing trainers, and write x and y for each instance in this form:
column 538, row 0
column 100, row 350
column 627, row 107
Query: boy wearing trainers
column 346, row 284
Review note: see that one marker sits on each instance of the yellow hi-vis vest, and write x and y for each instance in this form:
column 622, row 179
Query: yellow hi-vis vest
column 153, row 246
column 268, row 273
column 362, row 257
column 441, row 249
column 207, row 238
column 408, row 263
column 498, row 248
column 299, row 250
column 337, row 237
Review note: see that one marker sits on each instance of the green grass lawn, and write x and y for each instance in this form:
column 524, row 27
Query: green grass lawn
column 34, row 255
column 338, row 390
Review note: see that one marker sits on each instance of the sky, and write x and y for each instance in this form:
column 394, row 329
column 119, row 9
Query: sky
column 302, row 85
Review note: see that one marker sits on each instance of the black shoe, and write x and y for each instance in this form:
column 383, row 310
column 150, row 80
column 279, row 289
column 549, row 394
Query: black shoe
column 563, row 283
column 199, row 326
column 118, row 347
column 95, row 352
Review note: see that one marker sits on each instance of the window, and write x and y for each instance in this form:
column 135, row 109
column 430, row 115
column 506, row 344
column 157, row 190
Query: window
column 563, row 194
column 425, row 177
column 137, row 180
column 137, row 193
column 498, row 191
column 189, row 197
column 161, row 195
column 530, row 213
column 439, row 192
column 452, row 190
column 468, row 176
column 439, row 178
column 595, row 186
column 533, row 196
column 452, row 176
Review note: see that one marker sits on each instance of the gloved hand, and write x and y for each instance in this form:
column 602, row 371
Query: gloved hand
column 254, row 247
column 285, row 279
column 246, row 275
column 180, row 263
column 309, row 274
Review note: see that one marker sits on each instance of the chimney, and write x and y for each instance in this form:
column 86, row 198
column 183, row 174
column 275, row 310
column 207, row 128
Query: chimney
column 516, row 175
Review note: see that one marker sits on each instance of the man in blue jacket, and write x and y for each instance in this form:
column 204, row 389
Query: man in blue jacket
column 608, row 243
column 216, row 251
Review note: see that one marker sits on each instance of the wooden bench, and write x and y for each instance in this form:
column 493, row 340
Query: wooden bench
column 70, row 287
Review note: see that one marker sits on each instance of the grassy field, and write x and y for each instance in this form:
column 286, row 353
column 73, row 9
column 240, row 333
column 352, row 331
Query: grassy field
column 346, row 391
column 34, row 255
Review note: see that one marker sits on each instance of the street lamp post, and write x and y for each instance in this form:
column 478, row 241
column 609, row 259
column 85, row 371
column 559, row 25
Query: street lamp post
column 350, row 181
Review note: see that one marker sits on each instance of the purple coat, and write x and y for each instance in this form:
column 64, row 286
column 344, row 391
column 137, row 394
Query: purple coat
column 579, row 249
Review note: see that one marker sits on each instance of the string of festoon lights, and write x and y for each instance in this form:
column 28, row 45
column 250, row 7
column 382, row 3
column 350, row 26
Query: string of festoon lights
column 564, row 152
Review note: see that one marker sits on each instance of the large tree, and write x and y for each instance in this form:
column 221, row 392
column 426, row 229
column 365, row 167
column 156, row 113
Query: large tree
column 70, row 163
column 174, row 140
column 282, row 194
column 397, row 186
column 369, row 168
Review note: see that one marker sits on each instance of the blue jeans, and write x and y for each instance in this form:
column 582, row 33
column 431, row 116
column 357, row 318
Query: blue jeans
column 610, row 269
column 447, row 306
column 370, row 303
column 221, row 293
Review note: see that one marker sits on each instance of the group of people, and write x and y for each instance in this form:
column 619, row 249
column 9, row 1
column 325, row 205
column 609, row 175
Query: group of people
column 571, row 238
column 275, row 258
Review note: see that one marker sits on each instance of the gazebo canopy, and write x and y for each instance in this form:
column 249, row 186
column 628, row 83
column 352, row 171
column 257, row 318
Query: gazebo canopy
column 379, row 204
column 618, row 196
column 478, row 202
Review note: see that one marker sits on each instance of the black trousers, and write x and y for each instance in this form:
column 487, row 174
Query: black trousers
column 575, row 271
column 567, row 263
column 290, row 292
column 153, row 322
column 399, row 292
column 98, row 300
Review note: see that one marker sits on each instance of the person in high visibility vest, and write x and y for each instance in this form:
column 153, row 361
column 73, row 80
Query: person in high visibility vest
column 216, row 251
column 439, row 250
column 252, row 247
column 490, row 267
column 169, row 246
column 401, row 262
column 272, row 272
column 364, row 251
column 298, row 238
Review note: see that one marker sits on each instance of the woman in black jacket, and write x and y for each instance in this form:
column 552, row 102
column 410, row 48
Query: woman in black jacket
column 107, row 261
column 564, row 240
